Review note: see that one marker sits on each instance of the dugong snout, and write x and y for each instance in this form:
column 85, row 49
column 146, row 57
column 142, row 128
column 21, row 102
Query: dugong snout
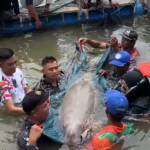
column 72, row 134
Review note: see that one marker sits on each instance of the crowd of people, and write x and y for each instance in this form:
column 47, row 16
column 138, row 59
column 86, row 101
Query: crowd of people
column 129, row 87
column 129, row 92
column 122, row 75
column 9, row 9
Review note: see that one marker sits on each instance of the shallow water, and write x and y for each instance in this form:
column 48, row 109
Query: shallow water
column 31, row 48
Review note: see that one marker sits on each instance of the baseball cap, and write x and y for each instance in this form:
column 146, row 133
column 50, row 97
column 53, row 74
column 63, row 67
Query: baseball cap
column 132, row 77
column 33, row 99
column 116, row 102
column 121, row 59
column 138, row 85
column 130, row 35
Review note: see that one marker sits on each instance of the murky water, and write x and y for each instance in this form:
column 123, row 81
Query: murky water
column 31, row 48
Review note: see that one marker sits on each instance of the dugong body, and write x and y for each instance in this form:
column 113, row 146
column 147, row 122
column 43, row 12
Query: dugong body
column 78, row 106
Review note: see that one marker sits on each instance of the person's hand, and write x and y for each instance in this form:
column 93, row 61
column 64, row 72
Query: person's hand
column 28, row 90
column 35, row 133
column 115, row 5
column 119, row 144
column 38, row 24
column 123, row 86
column 114, row 42
column 85, row 4
column 103, row 73
column 83, row 40
column 87, row 147
column 17, row 17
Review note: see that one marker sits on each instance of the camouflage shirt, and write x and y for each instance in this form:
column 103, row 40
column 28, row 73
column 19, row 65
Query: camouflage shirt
column 46, row 86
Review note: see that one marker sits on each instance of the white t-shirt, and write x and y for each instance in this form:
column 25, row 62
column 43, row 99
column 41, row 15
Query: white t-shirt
column 17, row 84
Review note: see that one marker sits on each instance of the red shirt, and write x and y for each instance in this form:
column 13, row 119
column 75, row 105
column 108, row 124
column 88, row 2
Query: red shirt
column 134, row 53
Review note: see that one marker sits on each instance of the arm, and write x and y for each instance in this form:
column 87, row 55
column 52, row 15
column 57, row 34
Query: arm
column 25, row 85
column 96, row 44
column 6, row 98
column 11, row 108
column 118, row 145
column 28, row 138
column 15, row 5
column 34, row 135
column 33, row 13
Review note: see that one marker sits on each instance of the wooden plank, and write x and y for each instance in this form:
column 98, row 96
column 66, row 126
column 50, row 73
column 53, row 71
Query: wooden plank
column 120, row 2
column 68, row 9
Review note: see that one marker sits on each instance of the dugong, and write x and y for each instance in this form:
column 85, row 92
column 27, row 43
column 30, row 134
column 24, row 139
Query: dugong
column 78, row 105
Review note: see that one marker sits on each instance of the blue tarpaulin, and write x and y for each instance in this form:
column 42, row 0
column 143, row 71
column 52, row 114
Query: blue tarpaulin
column 52, row 127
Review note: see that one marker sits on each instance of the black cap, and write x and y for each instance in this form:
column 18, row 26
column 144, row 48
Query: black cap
column 33, row 99
column 130, row 35
column 138, row 84
column 132, row 77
